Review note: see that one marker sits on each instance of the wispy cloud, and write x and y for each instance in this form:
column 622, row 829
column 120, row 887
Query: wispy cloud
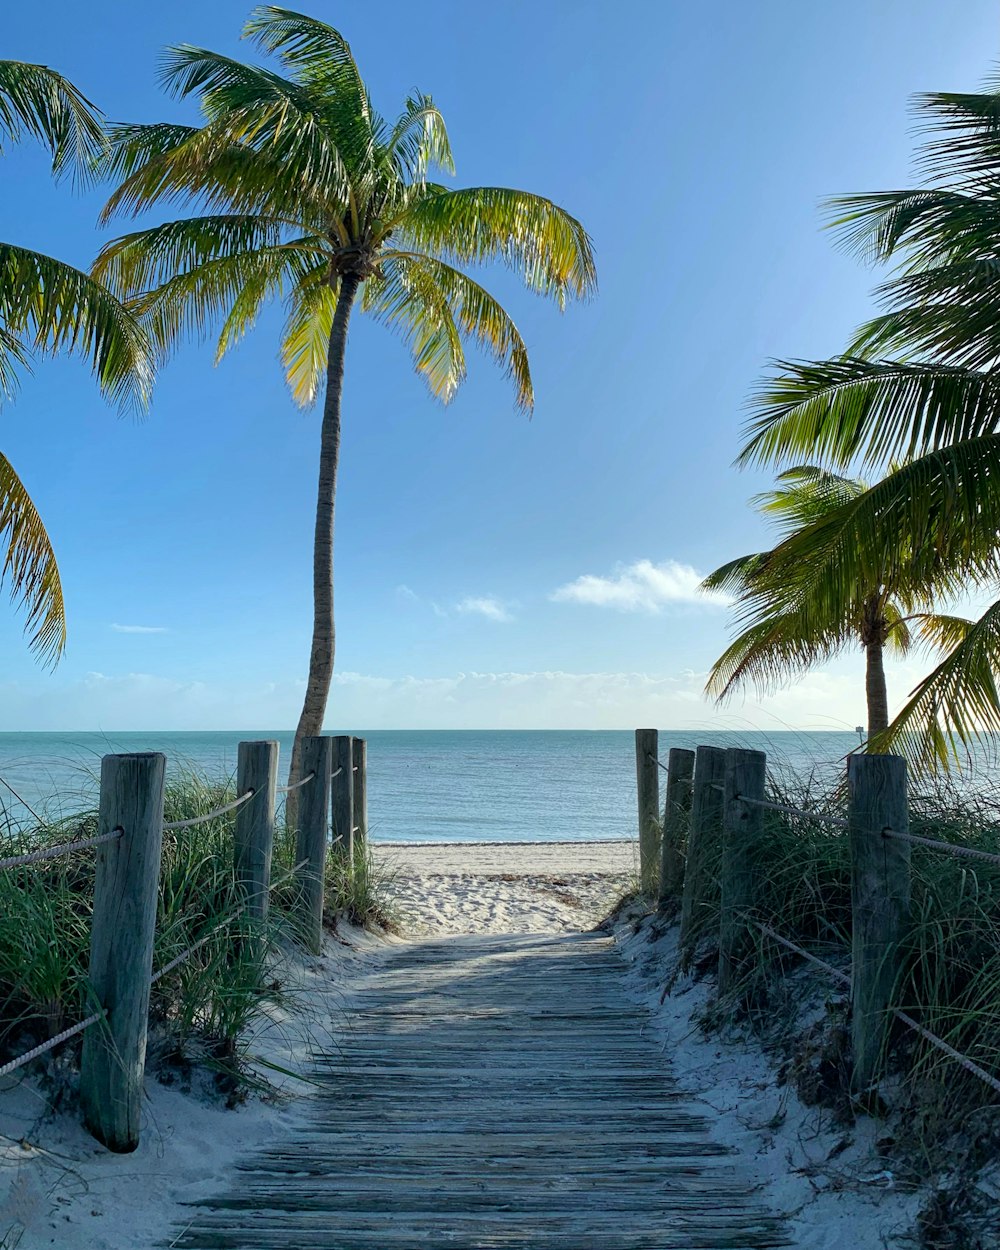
column 139, row 629
column 484, row 605
column 640, row 587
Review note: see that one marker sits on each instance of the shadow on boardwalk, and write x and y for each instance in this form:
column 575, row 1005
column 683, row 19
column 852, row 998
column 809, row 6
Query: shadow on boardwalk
column 493, row 1092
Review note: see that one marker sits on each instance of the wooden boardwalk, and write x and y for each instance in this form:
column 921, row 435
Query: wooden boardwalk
column 493, row 1092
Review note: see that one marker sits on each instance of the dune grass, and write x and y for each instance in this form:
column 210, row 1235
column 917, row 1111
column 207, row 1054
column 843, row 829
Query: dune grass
column 200, row 1010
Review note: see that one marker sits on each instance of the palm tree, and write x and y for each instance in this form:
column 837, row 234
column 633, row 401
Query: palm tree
column 920, row 383
column 786, row 629
column 47, row 306
column 308, row 195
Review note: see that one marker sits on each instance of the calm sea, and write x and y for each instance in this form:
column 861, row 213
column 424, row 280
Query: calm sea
column 427, row 785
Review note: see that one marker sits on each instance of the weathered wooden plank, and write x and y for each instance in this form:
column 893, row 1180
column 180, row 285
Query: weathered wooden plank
column 488, row 1093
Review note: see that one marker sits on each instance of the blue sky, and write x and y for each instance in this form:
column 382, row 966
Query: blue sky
column 695, row 142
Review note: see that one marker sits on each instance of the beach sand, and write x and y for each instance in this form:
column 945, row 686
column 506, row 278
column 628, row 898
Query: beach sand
column 505, row 887
column 63, row 1190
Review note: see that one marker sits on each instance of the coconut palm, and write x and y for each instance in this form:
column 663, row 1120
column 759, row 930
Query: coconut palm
column 47, row 306
column 309, row 196
column 785, row 628
column 920, row 383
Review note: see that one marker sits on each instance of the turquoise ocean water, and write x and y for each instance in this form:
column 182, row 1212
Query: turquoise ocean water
column 427, row 785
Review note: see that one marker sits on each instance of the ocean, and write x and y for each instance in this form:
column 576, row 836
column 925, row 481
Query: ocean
column 425, row 785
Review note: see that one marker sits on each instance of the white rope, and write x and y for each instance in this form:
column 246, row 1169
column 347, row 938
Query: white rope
column 289, row 789
column 53, row 852
column 837, row 822
column 51, row 1044
column 962, row 1060
column 219, row 811
column 950, row 848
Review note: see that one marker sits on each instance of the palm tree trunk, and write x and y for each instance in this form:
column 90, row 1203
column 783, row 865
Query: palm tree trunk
column 875, row 688
column 324, row 636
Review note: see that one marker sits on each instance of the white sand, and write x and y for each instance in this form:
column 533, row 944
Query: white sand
column 65, row 1191
column 526, row 887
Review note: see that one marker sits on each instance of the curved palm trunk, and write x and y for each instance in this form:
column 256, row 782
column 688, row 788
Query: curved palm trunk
column 875, row 688
column 323, row 637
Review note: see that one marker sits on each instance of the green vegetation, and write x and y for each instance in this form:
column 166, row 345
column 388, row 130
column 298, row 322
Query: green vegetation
column 199, row 1011
column 47, row 306
column 786, row 627
column 310, row 196
column 929, row 414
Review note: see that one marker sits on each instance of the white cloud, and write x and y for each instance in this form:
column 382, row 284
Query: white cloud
column 484, row 605
column 640, row 587
column 139, row 629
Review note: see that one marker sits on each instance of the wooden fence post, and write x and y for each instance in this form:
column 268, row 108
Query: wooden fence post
column 126, row 890
column 256, row 770
column 676, row 816
column 704, row 843
column 647, row 778
column 342, row 800
column 746, row 773
column 359, row 756
column 880, row 900
column 313, row 835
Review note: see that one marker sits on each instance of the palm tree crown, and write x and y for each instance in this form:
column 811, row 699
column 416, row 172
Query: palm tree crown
column 920, row 384
column 307, row 195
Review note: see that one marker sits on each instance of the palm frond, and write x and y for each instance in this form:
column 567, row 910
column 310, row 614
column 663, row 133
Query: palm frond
column 955, row 703
column 878, row 411
column 29, row 567
column 305, row 343
column 419, row 140
column 477, row 314
column 549, row 248
column 770, row 652
column 49, row 306
column 927, row 226
column 37, row 101
column 941, row 632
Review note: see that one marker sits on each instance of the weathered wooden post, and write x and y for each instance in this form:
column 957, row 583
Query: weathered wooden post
column 342, row 800
column 704, row 842
column 880, row 900
column 746, row 773
column 359, row 755
column 676, row 816
column 256, row 770
column 313, row 835
column 126, row 889
column 647, row 779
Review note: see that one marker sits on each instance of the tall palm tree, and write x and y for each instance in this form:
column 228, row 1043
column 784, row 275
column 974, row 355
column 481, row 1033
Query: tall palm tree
column 309, row 196
column 47, row 306
column 921, row 383
column 786, row 629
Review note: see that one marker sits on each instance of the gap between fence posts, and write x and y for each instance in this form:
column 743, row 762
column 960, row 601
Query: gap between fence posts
column 676, row 818
column 256, row 770
column 647, row 779
column 342, row 800
column 359, row 756
column 746, row 773
column 704, row 843
column 126, row 891
column 312, row 839
column 880, row 900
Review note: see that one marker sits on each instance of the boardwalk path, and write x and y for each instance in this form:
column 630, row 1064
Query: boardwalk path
column 493, row 1092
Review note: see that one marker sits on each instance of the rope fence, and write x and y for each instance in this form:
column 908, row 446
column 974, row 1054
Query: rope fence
column 55, row 852
column 127, row 891
column 707, row 853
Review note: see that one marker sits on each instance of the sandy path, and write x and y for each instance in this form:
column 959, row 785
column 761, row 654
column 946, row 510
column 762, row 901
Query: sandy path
column 526, row 887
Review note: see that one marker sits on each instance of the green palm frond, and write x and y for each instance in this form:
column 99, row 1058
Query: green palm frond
column 49, row 306
column 408, row 300
column 963, row 130
column 476, row 313
column 770, row 652
column 941, row 632
column 528, row 233
column 419, row 140
column 29, row 567
column 305, row 343
column 927, row 225
column 804, row 494
column 35, row 101
column 955, row 703
column 876, row 411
